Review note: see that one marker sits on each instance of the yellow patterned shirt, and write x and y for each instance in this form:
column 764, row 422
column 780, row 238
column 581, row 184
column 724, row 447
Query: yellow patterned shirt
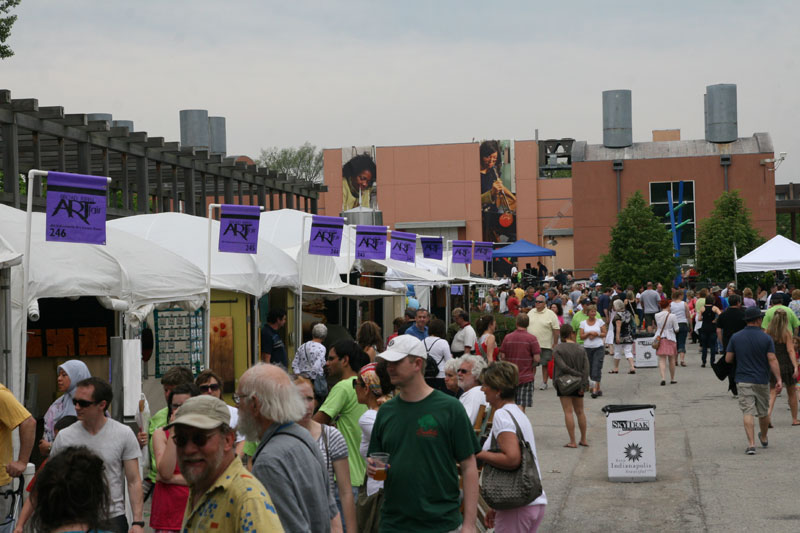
column 237, row 501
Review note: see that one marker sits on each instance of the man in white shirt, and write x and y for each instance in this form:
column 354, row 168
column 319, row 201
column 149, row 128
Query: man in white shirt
column 464, row 340
column 468, row 373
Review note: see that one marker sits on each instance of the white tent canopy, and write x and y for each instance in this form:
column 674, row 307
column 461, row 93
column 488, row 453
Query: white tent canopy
column 187, row 235
column 778, row 253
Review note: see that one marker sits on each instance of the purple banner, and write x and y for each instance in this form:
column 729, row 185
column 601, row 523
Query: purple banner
column 483, row 251
column 326, row 236
column 462, row 251
column 404, row 246
column 432, row 247
column 370, row 242
column 76, row 208
column 238, row 228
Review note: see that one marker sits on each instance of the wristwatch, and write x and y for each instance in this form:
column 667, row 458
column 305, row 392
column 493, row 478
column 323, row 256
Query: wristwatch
column 140, row 523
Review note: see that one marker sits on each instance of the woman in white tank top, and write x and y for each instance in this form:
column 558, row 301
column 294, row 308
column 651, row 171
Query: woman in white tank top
column 680, row 310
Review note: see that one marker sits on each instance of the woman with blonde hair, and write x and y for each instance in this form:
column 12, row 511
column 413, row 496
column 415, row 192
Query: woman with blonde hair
column 369, row 338
column 747, row 298
column 593, row 330
column 787, row 361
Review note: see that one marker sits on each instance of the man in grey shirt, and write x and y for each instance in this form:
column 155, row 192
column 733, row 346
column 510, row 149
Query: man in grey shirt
column 650, row 300
column 288, row 461
column 575, row 295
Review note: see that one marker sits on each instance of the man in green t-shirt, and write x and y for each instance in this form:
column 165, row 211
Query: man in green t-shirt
column 579, row 317
column 341, row 407
column 777, row 303
column 173, row 377
column 426, row 434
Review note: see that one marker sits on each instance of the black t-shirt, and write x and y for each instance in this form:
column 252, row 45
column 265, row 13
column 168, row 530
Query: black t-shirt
column 730, row 321
column 272, row 344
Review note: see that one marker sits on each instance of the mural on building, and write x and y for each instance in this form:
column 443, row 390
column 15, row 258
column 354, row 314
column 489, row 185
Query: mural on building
column 359, row 175
column 498, row 200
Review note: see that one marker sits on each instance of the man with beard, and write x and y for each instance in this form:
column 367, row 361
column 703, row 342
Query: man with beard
column 288, row 461
column 223, row 495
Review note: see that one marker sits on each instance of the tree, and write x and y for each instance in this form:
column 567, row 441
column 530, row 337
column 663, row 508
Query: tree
column 728, row 223
column 303, row 162
column 783, row 223
column 5, row 26
column 640, row 249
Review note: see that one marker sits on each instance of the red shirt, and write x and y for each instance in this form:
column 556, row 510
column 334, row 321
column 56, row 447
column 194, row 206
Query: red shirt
column 513, row 305
column 519, row 348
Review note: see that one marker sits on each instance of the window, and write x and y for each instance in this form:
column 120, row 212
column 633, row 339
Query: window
column 660, row 206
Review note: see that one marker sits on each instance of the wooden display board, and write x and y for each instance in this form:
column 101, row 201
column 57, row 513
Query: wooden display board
column 221, row 355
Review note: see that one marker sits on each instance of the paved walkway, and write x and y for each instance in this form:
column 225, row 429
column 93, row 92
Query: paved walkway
column 705, row 482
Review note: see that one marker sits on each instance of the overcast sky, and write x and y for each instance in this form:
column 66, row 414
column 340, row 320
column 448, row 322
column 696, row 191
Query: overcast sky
column 410, row 72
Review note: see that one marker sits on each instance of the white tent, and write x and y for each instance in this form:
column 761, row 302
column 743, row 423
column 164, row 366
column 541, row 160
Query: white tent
column 187, row 235
column 778, row 253
column 320, row 273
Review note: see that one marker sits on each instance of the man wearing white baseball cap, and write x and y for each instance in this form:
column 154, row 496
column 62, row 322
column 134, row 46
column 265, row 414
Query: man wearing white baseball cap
column 426, row 434
column 223, row 493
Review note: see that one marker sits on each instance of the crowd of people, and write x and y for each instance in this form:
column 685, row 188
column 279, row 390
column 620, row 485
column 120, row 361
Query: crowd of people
column 387, row 434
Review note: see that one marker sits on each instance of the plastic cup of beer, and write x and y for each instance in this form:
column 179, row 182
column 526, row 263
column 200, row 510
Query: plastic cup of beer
column 380, row 461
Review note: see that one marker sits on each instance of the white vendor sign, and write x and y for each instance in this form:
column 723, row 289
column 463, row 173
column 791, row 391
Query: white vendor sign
column 631, row 442
column 644, row 354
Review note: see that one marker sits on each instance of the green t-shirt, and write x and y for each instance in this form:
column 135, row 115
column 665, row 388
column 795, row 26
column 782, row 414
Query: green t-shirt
column 158, row 420
column 576, row 324
column 425, row 440
column 343, row 408
column 793, row 320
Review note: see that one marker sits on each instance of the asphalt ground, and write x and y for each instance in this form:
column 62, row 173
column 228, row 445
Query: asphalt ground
column 705, row 482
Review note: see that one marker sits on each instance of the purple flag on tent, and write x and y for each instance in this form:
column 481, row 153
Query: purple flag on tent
column 370, row 242
column 404, row 246
column 432, row 247
column 483, row 251
column 326, row 236
column 76, row 208
column 462, row 251
column 238, row 228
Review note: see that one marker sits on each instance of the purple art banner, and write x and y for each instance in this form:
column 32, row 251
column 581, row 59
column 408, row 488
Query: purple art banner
column 404, row 246
column 238, row 228
column 326, row 236
column 432, row 247
column 370, row 242
column 76, row 208
column 483, row 251
column 462, row 251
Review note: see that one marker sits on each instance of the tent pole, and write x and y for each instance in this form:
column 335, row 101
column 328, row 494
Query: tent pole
column 735, row 270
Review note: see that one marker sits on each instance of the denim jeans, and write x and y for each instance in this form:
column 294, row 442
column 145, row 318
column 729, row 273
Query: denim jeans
column 708, row 341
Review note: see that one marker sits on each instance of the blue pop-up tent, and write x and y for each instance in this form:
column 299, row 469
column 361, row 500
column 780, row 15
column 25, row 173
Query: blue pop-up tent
column 522, row 248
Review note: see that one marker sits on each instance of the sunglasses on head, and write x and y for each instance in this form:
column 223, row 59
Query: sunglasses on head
column 83, row 403
column 211, row 387
column 198, row 439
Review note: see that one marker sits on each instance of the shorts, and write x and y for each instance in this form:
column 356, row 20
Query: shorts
column 649, row 319
column 626, row 348
column 524, row 394
column 754, row 399
column 545, row 356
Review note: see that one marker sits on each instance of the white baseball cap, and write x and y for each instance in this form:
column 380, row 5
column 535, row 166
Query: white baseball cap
column 401, row 347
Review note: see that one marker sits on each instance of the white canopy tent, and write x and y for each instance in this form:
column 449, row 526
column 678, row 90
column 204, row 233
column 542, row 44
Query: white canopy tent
column 126, row 268
column 778, row 253
column 187, row 235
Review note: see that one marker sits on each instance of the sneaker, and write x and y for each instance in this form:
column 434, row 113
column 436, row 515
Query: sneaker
column 663, row 382
column 764, row 443
column 543, row 386
column 750, row 451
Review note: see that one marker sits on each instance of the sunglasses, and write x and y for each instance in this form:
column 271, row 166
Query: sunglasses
column 198, row 439
column 462, row 371
column 357, row 383
column 212, row 387
column 83, row 403
column 239, row 397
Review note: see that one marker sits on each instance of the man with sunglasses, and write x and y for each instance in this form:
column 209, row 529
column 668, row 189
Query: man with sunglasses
column 223, row 495
column 116, row 445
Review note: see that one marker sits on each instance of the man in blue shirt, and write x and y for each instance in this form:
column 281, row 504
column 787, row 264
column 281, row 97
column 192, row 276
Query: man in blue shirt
column 273, row 350
column 754, row 352
column 420, row 328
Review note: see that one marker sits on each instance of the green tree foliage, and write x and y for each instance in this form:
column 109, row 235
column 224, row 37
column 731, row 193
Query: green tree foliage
column 784, row 225
column 640, row 249
column 6, row 22
column 303, row 162
column 729, row 223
